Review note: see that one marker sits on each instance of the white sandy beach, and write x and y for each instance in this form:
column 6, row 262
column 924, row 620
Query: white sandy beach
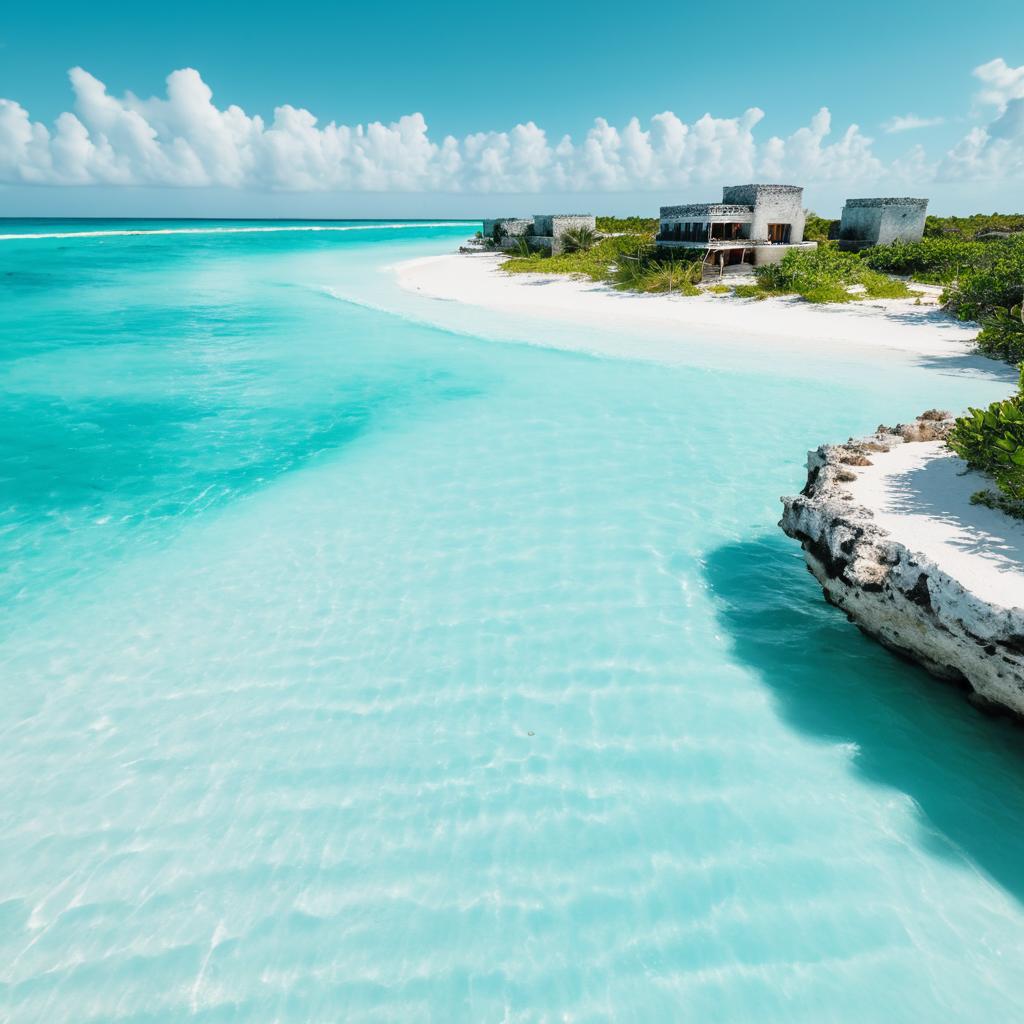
column 921, row 493
column 894, row 324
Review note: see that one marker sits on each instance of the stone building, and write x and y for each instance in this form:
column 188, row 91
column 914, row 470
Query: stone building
column 506, row 230
column 752, row 225
column 543, row 231
column 881, row 221
column 549, row 228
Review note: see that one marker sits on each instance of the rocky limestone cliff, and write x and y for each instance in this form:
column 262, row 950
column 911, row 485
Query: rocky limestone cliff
column 898, row 596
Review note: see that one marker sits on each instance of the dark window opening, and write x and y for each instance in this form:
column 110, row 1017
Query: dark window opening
column 726, row 232
column 779, row 232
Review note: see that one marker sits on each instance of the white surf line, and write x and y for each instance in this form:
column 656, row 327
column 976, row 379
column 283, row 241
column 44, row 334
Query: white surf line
column 241, row 231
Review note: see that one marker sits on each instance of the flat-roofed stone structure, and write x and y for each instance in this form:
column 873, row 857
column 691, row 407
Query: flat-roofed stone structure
column 507, row 229
column 549, row 228
column 882, row 221
column 544, row 231
column 752, row 225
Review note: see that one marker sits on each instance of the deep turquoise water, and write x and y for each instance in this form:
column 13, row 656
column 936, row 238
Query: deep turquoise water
column 359, row 667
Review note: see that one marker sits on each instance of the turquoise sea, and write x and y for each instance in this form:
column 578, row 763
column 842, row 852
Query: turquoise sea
column 368, row 658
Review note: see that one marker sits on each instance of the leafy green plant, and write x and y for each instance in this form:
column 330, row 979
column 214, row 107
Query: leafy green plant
column 992, row 441
column 642, row 272
column 820, row 294
column 522, row 246
column 997, row 283
column 628, row 225
column 932, row 260
column 579, row 239
column 750, row 291
column 881, row 286
column 819, row 275
column 666, row 278
column 818, row 229
column 1002, row 334
column 974, row 225
column 596, row 263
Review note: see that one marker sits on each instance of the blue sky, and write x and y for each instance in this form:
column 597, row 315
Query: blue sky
column 478, row 68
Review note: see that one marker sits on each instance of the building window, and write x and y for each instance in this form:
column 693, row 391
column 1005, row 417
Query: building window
column 779, row 232
column 725, row 232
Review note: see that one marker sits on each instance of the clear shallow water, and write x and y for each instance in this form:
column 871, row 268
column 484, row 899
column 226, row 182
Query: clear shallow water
column 355, row 668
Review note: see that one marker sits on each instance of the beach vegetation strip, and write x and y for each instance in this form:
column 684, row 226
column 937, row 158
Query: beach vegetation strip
column 992, row 441
column 597, row 263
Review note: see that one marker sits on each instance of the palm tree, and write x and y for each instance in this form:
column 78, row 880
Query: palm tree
column 579, row 239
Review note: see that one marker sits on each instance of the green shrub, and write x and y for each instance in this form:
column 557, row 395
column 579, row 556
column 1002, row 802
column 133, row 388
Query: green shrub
column 771, row 278
column 666, row 278
column 750, row 291
column 718, row 289
column 992, row 440
column 881, row 286
column 1002, row 335
column 934, row 260
column 997, row 284
column 819, row 275
column 825, row 293
column 974, row 225
column 595, row 263
column 818, row 229
column 628, row 225
column 579, row 239
column 648, row 274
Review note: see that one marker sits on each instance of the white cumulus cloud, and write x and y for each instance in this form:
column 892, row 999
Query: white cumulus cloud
column 185, row 139
column 1001, row 83
column 995, row 150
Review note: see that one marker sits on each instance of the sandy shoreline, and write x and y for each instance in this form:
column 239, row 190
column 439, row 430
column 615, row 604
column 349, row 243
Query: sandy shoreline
column 895, row 324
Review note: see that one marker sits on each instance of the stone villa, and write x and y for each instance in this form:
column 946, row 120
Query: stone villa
column 881, row 221
column 752, row 225
column 543, row 231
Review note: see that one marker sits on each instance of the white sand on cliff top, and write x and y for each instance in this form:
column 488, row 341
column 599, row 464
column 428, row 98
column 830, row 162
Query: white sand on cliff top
column 475, row 279
column 920, row 493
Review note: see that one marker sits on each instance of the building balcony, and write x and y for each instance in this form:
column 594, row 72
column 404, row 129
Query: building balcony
column 732, row 243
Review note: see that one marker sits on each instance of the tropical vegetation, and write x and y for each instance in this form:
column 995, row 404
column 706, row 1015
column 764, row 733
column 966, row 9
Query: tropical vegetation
column 579, row 239
column 628, row 225
column 974, row 225
column 826, row 274
column 819, row 229
column 596, row 263
column 932, row 260
column 992, row 440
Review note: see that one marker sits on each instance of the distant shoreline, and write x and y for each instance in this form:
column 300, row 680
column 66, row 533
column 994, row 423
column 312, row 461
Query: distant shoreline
column 254, row 230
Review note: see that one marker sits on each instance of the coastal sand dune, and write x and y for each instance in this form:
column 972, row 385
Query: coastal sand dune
column 895, row 324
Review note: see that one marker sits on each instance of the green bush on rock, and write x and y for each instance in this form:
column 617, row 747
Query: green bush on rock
column 992, row 440
column 1002, row 335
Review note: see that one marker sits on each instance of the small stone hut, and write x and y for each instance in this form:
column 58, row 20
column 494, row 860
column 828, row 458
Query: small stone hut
column 505, row 230
column 550, row 228
column 881, row 221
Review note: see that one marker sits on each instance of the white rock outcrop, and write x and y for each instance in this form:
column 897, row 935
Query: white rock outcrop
column 916, row 567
